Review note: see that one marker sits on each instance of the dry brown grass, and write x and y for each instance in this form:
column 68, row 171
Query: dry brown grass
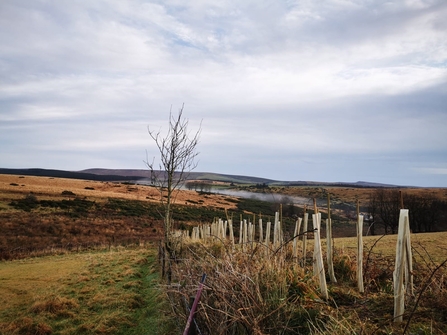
column 244, row 294
column 47, row 187
column 431, row 247
column 118, row 214
column 55, row 305
column 251, row 293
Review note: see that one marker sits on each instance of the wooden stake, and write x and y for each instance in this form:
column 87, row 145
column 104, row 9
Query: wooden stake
column 241, row 232
column 318, row 256
column 295, row 240
column 230, row 226
column 398, row 274
column 267, row 237
column 305, row 221
column 329, row 251
column 360, row 253
column 409, row 260
column 358, row 214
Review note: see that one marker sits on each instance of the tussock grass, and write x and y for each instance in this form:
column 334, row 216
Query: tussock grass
column 55, row 306
column 112, row 292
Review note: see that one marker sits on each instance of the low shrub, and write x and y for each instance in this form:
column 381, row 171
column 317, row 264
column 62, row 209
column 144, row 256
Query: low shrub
column 28, row 203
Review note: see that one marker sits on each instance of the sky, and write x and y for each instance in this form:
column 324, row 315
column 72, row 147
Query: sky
column 293, row 90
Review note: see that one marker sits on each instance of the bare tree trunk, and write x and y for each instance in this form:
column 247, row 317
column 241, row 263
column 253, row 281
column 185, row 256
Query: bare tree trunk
column 177, row 158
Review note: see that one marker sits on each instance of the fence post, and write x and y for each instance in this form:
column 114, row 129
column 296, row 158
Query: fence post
column 398, row 274
column 249, row 231
column 330, row 250
column 253, row 233
column 360, row 253
column 305, row 222
column 241, row 232
column 245, row 235
column 409, row 261
column 230, row 227
column 275, row 231
column 267, row 237
column 318, row 256
column 295, row 235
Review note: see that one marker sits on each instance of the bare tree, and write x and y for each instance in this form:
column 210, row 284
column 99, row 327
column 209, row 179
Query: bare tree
column 178, row 155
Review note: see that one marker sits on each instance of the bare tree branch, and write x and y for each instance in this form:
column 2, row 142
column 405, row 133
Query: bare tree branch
column 178, row 154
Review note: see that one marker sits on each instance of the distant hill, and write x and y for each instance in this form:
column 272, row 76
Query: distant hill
column 237, row 179
column 139, row 174
column 67, row 174
column 191, row 176
column 134, row 173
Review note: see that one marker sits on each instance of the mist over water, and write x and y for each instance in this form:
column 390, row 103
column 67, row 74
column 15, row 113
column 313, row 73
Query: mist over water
column 270, row 197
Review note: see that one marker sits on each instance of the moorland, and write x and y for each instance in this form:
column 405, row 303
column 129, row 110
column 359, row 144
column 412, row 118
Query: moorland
column 79, row 256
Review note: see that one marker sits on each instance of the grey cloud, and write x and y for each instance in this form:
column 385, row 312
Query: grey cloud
column 287, row 90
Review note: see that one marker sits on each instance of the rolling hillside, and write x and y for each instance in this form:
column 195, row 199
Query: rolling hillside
column 99, row 174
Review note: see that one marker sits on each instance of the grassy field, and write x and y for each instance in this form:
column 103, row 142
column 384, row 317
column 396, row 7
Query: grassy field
column 431, row 247
column 102, row 292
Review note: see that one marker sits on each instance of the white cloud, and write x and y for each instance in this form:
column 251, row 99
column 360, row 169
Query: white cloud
column 271, row 81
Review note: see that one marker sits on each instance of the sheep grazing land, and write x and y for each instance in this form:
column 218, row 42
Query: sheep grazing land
column 80, row 257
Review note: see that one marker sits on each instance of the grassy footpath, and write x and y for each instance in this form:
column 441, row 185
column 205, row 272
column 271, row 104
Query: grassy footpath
column 109, row 292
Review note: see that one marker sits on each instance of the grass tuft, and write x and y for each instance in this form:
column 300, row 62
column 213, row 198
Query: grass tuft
column 26, row 325
column 56, row 306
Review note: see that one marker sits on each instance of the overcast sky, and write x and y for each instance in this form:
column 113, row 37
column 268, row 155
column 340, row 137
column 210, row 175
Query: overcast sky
column 337, row 90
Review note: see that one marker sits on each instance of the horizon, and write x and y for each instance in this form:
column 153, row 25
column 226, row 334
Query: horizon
column 359, row 183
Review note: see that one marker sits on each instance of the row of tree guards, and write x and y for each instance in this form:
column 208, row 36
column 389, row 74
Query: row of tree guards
column 221, row 230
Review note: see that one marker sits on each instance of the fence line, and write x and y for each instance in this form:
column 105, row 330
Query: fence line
column 223, row 230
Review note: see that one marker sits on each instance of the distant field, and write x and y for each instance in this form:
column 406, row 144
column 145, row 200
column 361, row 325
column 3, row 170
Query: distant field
column 38, row 213
column 426, row 246
column 352, row 194
column 13, row 186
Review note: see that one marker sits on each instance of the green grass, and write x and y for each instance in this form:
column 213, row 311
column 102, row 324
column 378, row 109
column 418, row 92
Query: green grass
column 111, row 292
